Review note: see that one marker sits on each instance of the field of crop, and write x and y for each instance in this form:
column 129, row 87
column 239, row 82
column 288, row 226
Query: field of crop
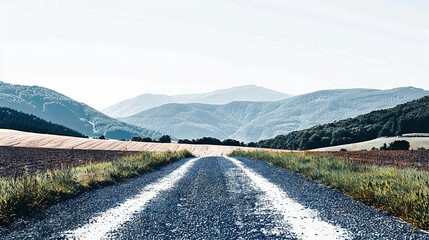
column 15, row 161
column 415, row 143
column 403, row 192
column 418, row 159
column 26, row 193
column 12, row 138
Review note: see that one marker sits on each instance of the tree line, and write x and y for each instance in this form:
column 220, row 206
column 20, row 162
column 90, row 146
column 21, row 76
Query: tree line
column 411, row 117
column 203, row 140
column 162, row 139
column 213, row 141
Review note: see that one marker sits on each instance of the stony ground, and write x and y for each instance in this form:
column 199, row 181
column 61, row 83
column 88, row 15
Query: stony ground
column 212, row 198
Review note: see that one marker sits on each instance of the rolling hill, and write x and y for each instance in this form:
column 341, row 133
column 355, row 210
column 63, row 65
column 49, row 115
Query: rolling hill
column 147, row 101
column 410, row 117
column 253, row 121
column 416, row 143
column 12, row 119
column 13, row 138
column 57, row 108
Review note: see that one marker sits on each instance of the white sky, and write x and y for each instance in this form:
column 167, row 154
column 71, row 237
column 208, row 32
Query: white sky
column 103, row 51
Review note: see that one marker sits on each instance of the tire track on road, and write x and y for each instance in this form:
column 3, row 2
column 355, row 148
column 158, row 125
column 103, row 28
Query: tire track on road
column 202, row 206
column 304, row 223
column 213, row 198
column 113, row 218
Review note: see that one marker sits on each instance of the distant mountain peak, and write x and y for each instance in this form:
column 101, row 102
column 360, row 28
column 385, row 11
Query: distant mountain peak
column 147, row 101
column 253, row 121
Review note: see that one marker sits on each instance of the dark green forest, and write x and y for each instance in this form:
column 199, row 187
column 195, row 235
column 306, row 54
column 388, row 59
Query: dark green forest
column 12, row 119
column 162, row 139
column 411, row 117
column 212, row 141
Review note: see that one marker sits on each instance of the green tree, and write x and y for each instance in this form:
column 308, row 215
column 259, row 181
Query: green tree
column 165, row 139
column 399, row 145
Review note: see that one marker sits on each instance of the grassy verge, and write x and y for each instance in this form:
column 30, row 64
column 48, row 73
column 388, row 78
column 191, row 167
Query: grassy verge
column 402, row 192
column 22, row 195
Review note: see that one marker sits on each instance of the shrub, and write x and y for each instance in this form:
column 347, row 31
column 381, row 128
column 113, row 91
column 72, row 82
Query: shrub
column 396, row 145
column 399, row 145
column 165, row 139
column 232, row 142
column 140, row 139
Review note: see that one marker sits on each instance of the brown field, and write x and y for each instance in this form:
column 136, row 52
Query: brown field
column 415, row 143
column 29, row 152
column 15, row 161
column 418, row 159
column 12, row 138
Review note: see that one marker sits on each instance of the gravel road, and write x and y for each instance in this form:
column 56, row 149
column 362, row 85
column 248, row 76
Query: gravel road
column 212, row 198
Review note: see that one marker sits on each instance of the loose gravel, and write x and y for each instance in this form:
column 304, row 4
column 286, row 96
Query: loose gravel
column 214, row 199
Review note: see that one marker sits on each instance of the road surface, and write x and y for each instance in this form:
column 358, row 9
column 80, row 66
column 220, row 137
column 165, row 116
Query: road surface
column 212, row 198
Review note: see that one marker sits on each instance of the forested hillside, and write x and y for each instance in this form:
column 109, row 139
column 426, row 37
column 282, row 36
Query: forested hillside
column 60, row 109
column 411, row 117
column 12, row 119
column 254, row 121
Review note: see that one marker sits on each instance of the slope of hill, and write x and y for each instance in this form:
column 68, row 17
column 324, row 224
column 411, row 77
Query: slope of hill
column 253, row 121
column 12, row 119
column 12, row 138
column 57, row 108
column 147, row 101
column 415, row 144
column 411, row 117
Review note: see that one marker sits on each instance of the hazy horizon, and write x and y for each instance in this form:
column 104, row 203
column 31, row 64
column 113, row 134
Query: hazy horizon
column 103, row 52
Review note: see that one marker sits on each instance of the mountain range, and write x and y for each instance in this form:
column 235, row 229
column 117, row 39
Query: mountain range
column 242, row 120
column 223, row 96
column 59, row 109
column 253, row 121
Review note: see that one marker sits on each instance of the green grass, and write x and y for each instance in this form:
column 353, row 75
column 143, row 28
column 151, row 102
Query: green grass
column 401, row 192
column 21, row 195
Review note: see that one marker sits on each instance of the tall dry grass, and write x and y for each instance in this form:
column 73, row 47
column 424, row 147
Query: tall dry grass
column 401, row 192
column 24, row 194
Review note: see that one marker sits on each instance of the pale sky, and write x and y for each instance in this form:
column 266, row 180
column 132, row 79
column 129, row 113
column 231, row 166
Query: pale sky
column 103, row 51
